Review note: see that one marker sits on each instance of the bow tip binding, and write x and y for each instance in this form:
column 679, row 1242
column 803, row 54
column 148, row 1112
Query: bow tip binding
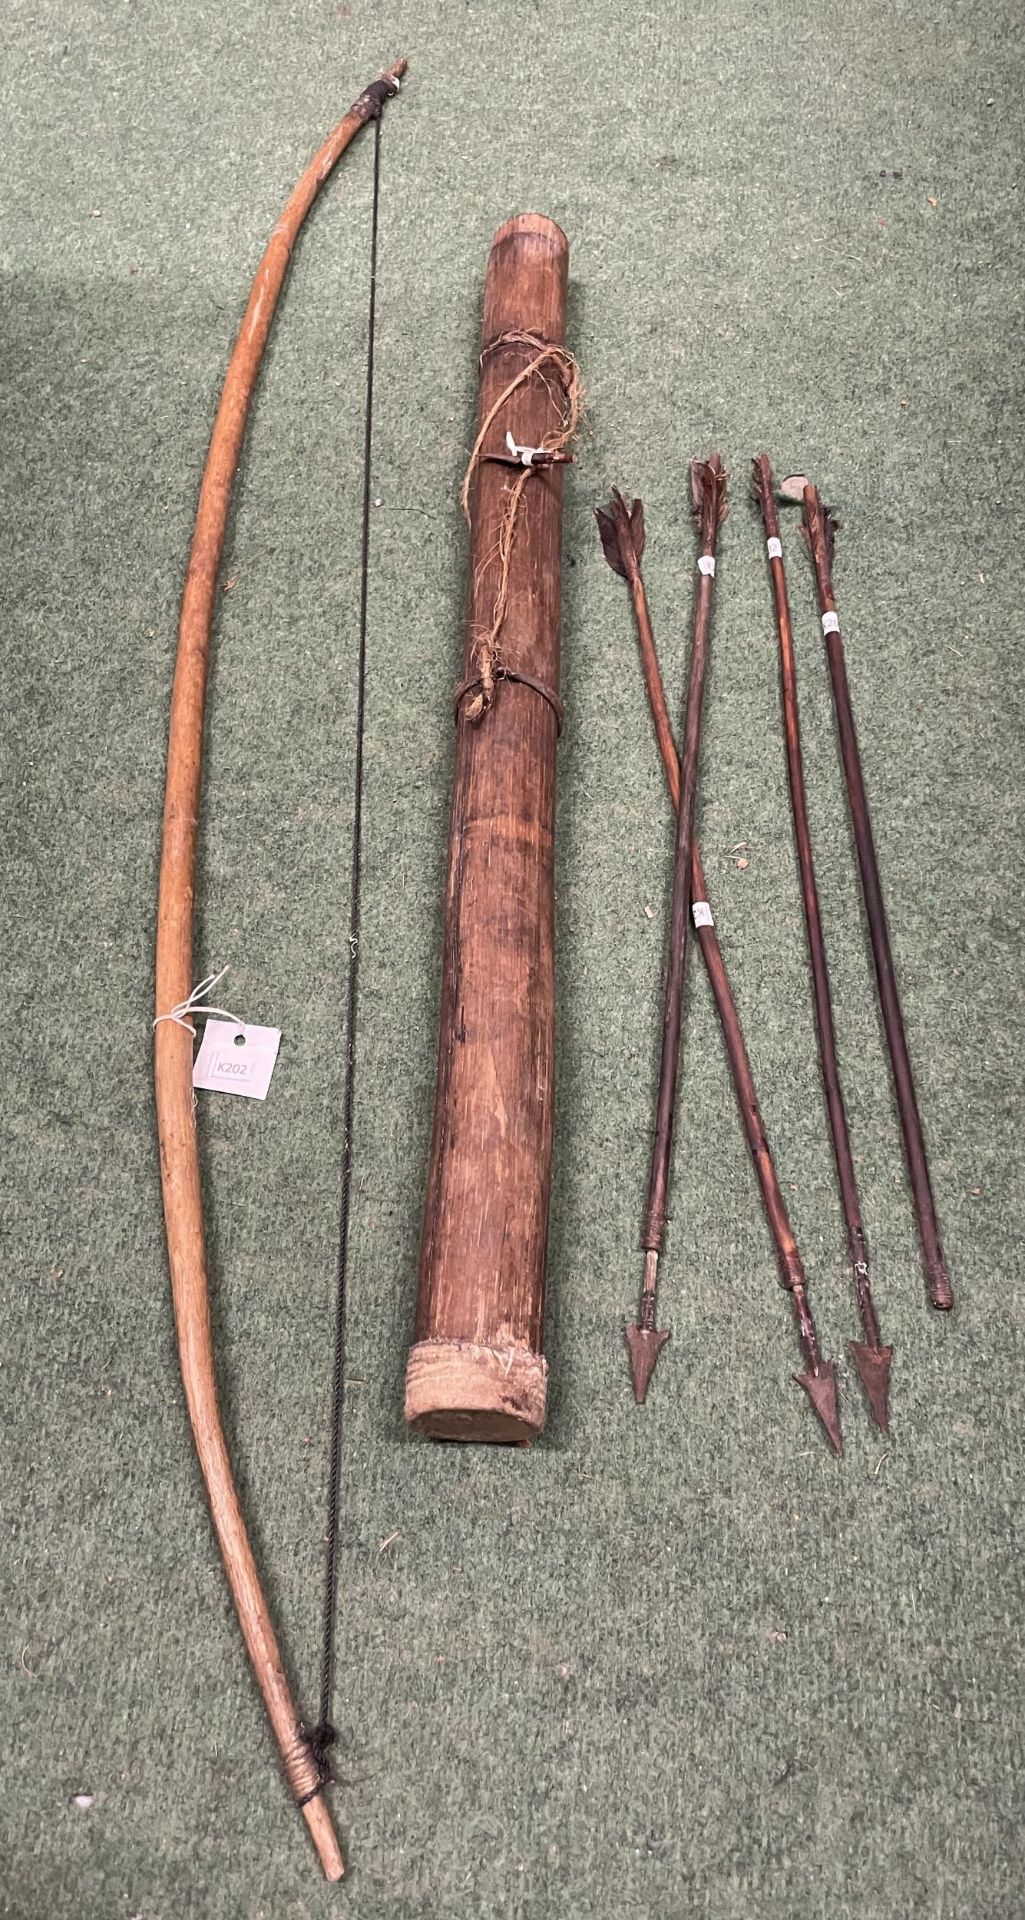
column 374, row 99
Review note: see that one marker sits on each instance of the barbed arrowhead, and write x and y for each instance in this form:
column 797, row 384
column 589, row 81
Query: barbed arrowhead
column 645, row 1344
column 821, row 1390
column 873, row 1364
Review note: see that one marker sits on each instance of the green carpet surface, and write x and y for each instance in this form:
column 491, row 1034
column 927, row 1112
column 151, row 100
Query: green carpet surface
column 674, row 1662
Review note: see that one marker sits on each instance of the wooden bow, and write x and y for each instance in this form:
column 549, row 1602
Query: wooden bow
column 179, row 1157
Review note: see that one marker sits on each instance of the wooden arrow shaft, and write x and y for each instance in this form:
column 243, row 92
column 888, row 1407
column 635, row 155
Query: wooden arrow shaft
column 828, row 1058
column 787, row 1252
column 649, row 1292
column 941, row 1292
column 679, row 920
column 708, row 490
column 622, row 536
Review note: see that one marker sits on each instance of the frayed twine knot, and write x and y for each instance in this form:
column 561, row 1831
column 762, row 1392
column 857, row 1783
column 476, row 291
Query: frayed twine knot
column 485, row 655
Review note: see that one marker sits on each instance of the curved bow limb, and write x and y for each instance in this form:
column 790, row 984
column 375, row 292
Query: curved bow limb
column 179, row 1157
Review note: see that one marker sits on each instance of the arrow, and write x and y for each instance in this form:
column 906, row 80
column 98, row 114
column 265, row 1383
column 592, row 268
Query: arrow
column 645, row 1340
column 821, row 1390
column 873, row 1364
column 709, row 507
column 621, row 528
column 819, row 1382
column 819, row 528
column 872, row 1359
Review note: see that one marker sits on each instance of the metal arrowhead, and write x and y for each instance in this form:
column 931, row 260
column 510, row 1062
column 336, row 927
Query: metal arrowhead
column 645, row 1344
column 821, row 1390
column 873, row 1364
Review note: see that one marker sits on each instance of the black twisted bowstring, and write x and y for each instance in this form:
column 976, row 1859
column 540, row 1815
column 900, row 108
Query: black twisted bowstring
column 321, row 1738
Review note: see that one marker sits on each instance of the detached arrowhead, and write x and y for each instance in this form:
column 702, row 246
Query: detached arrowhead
column 873, row 1364
column 821, row 1390
column 645, row 1345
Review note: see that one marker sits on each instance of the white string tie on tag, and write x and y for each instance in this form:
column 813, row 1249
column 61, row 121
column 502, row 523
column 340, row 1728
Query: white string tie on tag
column 196, row 1003
column 525, row 455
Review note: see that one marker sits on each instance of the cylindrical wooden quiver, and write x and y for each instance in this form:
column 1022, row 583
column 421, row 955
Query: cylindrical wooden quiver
column 477, row 1371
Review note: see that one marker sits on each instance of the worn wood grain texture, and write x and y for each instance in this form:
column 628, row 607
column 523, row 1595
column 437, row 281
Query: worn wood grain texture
column 175, row 964
column 477, row 1370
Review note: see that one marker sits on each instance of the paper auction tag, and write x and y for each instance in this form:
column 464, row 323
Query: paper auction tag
column 236, row 1059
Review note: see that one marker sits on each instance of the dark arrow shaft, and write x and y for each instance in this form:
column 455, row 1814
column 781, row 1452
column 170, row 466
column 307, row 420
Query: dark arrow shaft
column 941, row 1292
column 649, row 1293
column 679, row 919
column 828, row 1059
column 622, row 533
column 807, row 1332
column 787, row 1252
column 820, row 1383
